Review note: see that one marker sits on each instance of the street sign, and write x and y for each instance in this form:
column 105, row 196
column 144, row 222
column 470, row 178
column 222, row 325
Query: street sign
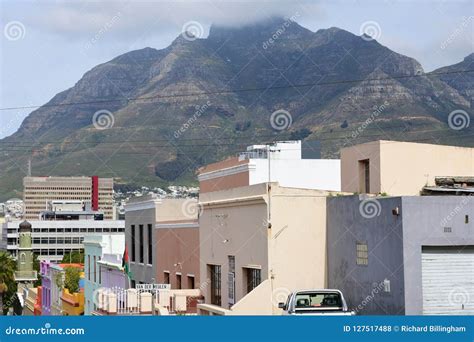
column 153, row 287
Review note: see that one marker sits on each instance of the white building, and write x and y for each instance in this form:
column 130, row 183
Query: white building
column 286, row 165
column 52, row 239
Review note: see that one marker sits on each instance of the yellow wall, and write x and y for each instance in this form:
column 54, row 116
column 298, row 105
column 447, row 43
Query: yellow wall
column 402, row 168
column 72, row 303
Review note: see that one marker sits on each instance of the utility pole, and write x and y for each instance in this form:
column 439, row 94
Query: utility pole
column 29, row 167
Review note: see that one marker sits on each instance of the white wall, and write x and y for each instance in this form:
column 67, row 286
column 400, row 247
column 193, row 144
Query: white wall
column 322, row 174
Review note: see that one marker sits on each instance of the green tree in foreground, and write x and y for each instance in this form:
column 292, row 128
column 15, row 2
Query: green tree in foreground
column 73, row 258
column 71, row 281
column 7, row 280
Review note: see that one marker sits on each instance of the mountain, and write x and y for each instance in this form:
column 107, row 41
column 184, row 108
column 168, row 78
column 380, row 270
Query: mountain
column 170, row 111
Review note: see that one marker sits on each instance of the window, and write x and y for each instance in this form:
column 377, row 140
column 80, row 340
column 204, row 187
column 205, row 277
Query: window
column 100, row 273
column 141, row 242
column 133, row 242
column 150, row 245
column 364, row 176
column 95, row 277
column 166, row 277
column 362, row 254
column 191, row 282
column 254, row 278
column 215, row 276
column 88, row 267
column 231, row 280
column 178, row 281
column 466, row 219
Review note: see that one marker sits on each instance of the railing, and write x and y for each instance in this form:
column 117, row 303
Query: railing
column 118, row 301
column 26, row 275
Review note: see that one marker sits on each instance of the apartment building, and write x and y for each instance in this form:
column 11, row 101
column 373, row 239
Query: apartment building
column 39, row 191
column 401, row 168
column 287, row 163
column 409, row 255
column 163, row 241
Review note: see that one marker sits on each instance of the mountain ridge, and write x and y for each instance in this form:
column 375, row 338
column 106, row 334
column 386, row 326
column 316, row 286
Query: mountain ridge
column 276, row 56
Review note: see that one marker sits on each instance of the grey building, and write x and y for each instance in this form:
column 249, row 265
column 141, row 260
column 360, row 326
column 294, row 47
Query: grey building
column 402, row 255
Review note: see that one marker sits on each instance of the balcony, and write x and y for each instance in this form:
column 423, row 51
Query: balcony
column 26, row 275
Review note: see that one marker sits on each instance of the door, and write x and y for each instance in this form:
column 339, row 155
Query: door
column 448, row 281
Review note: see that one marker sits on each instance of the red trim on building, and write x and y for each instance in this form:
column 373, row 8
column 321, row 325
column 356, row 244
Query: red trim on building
column 95, row 193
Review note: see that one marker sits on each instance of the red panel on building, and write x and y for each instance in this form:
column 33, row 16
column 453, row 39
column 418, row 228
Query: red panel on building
column 95, row 193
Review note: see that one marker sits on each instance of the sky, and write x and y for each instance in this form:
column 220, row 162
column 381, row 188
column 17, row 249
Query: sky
column 46, row 46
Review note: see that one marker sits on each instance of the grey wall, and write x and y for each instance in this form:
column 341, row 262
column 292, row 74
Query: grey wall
column 141, row 272
column 424, row 219
column 383, row 234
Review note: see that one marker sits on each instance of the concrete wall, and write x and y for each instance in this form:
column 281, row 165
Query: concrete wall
column 141, row 272
column 402, row 168
column 233, row 222
column 424, row 219
column 363, row 285
column 149, row 210
column 291, row 254
column 177, row 250
column 297, row 243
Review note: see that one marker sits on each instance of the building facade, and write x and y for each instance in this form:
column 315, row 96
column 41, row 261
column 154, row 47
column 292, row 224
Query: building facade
column 407, row 255
column 287, row 165
column 259, row 243
column 39, row 191
column 52, row 239
column 177, row 253
column 164, row 229
column 95, row 247
column 401, row 168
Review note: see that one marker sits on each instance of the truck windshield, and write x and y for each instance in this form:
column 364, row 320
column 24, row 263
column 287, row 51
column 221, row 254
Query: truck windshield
column 318, row 300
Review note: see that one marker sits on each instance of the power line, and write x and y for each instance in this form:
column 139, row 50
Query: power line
column 241, row 90
column 151, row 143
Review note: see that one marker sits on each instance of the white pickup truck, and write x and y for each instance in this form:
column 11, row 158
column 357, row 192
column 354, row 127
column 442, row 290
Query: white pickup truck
column 316, row 302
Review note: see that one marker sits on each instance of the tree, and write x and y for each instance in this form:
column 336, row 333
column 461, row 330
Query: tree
column 71, row 281
column 7, row 280
column 75, row 257
column 36, row 267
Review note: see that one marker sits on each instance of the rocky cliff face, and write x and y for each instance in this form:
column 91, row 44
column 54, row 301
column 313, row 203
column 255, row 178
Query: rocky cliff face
column 330, row 81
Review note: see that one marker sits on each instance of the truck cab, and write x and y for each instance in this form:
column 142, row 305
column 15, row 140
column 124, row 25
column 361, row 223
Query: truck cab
column 316, row 302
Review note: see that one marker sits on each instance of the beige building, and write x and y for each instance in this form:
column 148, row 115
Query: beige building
column 162, row 236
column 401, row 168
column 258, row 243
column 39, row 191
